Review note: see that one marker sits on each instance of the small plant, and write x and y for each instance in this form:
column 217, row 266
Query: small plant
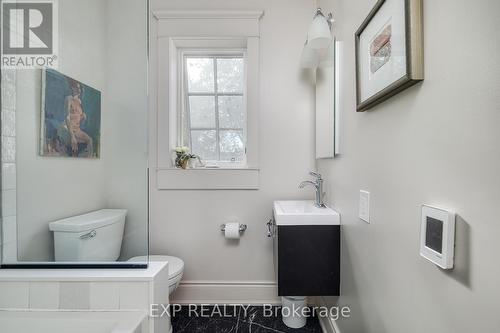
column 182, row 157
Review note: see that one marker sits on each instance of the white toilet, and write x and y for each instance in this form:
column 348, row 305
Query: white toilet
column 97, row 236
column 175, row 268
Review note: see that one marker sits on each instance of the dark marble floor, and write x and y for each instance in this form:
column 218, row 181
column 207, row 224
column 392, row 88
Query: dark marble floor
column 235, row 319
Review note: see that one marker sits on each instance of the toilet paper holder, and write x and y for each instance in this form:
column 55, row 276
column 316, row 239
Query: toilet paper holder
column 243, row 227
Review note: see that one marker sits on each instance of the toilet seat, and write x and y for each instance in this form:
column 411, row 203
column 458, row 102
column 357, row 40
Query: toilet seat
column 175, row 265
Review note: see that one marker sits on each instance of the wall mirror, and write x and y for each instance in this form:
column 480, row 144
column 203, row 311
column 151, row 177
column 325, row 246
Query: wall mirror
column 74, row 143
column 328, row 103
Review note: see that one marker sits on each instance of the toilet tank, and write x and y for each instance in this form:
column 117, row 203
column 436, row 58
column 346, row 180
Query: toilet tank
column 95, row 236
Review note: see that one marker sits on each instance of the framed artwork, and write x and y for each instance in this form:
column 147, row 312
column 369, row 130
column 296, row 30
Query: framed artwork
column 70, row 118
column 389, row 51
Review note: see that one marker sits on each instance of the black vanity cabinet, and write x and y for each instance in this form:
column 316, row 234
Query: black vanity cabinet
column 307, row 259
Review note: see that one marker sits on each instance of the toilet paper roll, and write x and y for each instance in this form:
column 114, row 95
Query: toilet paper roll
column 232, row 230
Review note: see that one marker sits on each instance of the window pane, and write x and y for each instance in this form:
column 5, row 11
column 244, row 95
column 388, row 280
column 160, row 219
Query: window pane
column 202, row 110
column 200, row 72
column 230, row 75
column 232, row 146
column 231, row 113
column 204, row 144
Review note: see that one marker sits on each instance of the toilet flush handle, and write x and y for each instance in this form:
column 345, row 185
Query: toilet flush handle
column 89, row 235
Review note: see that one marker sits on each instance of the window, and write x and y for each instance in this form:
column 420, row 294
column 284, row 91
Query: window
column 213, row 122
column 234, row 38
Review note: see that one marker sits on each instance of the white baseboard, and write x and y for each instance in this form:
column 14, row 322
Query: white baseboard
column 226, row 292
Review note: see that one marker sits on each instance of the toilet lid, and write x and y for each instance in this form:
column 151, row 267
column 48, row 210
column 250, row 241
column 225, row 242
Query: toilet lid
column 175, row 265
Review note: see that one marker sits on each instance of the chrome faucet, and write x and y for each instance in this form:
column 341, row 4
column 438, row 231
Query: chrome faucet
column 318, row 185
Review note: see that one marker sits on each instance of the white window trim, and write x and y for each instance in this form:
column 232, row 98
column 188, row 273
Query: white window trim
column 236, row 52
column 175, row 30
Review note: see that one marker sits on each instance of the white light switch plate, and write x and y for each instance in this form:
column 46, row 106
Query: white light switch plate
column 364, row 206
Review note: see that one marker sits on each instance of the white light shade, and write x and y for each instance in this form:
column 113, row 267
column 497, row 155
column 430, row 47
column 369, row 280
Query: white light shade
column 319, row 35
column 328, row 58
column 309, row 57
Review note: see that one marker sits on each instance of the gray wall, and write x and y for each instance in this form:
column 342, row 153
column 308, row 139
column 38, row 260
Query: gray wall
column 51, row 188
column 186, row 223
column 126, row 155
column 95, row 39
column 435, row 143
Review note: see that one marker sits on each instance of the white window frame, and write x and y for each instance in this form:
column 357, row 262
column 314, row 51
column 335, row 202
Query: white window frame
column 214, row 53
column 172, row 30
column 169, row 104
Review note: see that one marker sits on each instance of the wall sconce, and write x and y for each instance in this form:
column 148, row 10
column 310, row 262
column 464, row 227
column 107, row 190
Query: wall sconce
column 328, row 58
column 319, row 48
column 309, row 58
column 319, row 35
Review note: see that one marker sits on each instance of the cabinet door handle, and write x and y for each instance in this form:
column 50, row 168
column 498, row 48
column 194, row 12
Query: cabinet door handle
column 270, row 228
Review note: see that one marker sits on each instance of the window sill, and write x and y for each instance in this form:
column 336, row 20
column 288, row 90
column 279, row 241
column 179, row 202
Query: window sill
column 208, row 179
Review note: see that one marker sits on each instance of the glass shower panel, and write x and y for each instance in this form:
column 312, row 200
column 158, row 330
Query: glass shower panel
column 74, row 140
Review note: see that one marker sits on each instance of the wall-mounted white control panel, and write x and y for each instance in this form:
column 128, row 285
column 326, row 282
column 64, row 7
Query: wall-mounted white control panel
column 437, row 236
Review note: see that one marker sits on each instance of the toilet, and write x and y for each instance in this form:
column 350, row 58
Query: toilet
column 97, row 236
column 92, row 237
column 175, row 268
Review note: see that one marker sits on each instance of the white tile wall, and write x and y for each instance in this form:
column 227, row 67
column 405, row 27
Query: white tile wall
column 160, row 296
column 8, row 158
column 8, row 89
column 134, row 296
column 9, row 252
column 14, row 295
column 104, row 296
column 8, row 76
column 8, row 176
column 9, row 229
column 44, row 295
column 74, row 295
column 8, row 123
column 91, row 295
column 38, row 295
column 8, row 203
column 8, row 149
column 87, row 295
column 160, row 292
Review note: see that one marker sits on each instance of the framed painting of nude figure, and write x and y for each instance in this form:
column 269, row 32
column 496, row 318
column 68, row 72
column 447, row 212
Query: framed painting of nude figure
column 71, row 117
